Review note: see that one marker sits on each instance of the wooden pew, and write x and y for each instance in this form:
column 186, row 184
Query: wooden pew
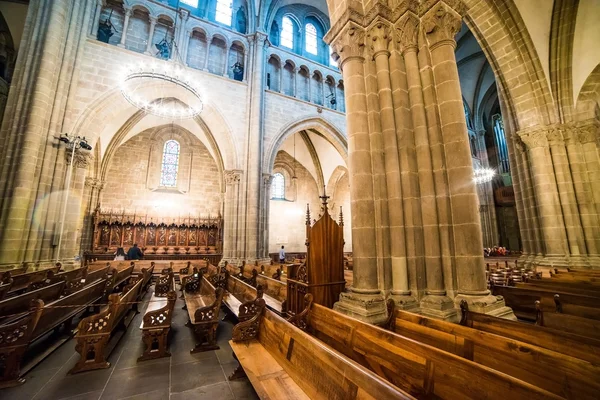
column 146, row 276
column 275, row 292
column 156, row 326
column 560, row 286
column 165, row 283
column 283, row 362
column 21, row 303
column 421, row 370
column 522, row 301
column 5, row 288
column 568, row 323
column 98, row 334
column 22, row 282
column 15, row 271
column 551, row 339
column 565, row 376
column 44, row 319
column 203, row 304
column 239, row 297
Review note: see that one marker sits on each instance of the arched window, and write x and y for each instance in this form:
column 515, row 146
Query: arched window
column 310, row 34
column 287, row 33
column 278, row 187
column 223, row 12
column 170, row 164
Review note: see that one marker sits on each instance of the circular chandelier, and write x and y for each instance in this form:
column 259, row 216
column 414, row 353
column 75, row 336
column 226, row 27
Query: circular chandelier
column 161, row 89
column 483, row 175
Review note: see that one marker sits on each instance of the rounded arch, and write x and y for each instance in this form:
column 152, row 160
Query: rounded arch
column 207, row 33
column 138, row 5
column 239, row 43
column 589, row 96
column 275, row 57
column 336, row 175
column 318, row 124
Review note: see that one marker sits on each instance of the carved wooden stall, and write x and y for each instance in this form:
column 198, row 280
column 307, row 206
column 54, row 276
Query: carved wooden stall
column 156, row 235
column 322, row 273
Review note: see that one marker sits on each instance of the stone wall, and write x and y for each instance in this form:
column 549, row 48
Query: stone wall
column 133, row 178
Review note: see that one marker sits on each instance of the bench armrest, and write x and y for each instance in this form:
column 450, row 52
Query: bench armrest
column 101, row 322
column 210, row 312
column 248, row 329
column 19, row 332
column 301, row 319
column 162, row 316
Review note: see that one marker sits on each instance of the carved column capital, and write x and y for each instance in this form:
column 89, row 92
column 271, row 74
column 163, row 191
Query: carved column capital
column 442, row 21
column 82, row 160
column 379, row 38
column 128, row 11
column 534, row 138
column 232, row 177
column 184, row 14
column 582, row 132
column 267, row 180
column 349, row 44
column 555, row 135
column 407, row 32
column 260, row 38
column 153, row 20
column 91, row 182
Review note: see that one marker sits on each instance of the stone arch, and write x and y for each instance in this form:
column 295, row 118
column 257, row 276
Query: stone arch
column 589, row 96
column 318, row 124
column 336, row 175
column 138, row 5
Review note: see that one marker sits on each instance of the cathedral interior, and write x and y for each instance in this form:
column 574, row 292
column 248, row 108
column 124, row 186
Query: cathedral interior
column 299, row 199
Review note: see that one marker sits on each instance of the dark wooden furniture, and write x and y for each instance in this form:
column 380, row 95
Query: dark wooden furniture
column 23, row 281
column 203, row 303
column 21, row 303
column 156, row 326
column 5, row 288
column 165, row 283
column 563, row 375
column 567, row 323
column 19, row 333
column 95, row 332
column 421, row 370
column 15, row 271
column 322, row 274
column 283, row 362
column 551, row 339
column 274, row 292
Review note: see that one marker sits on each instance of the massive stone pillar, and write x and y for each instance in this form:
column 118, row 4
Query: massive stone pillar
column 54, row 34
column 364, row 300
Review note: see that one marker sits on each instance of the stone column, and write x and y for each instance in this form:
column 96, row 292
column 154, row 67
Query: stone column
column 380, row 37
column 150, row 43
column 246, row 65
column 180, row 34
column 208, row 43
column 440, row 24
column 323, row 91
column 226, row 63
column 96, row 18
column 364, row 301
column 125, row 26
column 31, row 157
column 267, row 180
column 231, row 226
column 296, row 70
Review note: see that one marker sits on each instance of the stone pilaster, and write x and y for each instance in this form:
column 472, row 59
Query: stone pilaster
column 128, row 12
column 231, row 217
column 150, row 44
column 364, row 301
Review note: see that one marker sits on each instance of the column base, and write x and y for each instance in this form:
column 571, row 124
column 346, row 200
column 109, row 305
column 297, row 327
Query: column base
column 369, row 308
column 404, row 301
column 439, row 307
column 486, row 304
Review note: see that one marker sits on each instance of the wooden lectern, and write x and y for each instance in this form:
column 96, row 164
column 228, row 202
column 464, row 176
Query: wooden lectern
column 322, row 273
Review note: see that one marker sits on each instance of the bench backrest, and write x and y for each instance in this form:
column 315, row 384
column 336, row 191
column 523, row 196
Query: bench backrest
column 515, row 358
column 22, row 281
column 21, row 302
column 209, row 312
column 164, row 284
column 124, row 273
column 552, row 339
column 420, row 369
column 161, row 317
column 4, row 288
column 119, row 302
column 96, row 274
column 568, row 323
column 319, row 371
column 56, row 312
column 240, row 290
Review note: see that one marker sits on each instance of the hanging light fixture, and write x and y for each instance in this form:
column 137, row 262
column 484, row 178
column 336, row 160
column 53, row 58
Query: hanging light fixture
column 162, row 87
column 483, row 175
column 294, row 177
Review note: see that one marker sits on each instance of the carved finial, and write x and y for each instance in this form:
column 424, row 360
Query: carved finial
column 341, row 217
column 324, row 198
column 307, row 214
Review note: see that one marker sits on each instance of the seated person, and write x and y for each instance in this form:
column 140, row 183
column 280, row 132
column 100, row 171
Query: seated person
column 120, row 254
column 134, row 253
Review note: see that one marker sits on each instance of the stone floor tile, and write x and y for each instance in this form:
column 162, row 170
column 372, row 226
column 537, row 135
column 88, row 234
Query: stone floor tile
column 137, row 380
column 189, row 376
column 219, row 391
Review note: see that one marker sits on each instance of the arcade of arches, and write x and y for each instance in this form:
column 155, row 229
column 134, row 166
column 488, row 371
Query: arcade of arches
column 386, row 106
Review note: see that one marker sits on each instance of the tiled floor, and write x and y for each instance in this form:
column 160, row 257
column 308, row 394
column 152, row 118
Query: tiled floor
column 182, row 376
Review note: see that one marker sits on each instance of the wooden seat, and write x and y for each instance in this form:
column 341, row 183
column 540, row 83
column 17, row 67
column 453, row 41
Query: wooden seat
column 552, row 339
column 283, row 362
column 567, row 323
column 22, row 302
column 95, row 332
column 420, row 369
column 156, row 326
column 560, row 374
column 42, row 320
column 274, row 291
column 203, row 303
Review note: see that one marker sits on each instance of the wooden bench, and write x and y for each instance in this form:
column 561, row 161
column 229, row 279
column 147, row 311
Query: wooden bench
column 165, row 284
column 156, row 326
column 202, row 304
column 5, row 287
column 421, row 370
column 22, row 302
column 552, row 339
column 283, row 362
column 99, row 334
column 560, row 374
column 522, row 301
column 22, row 282
column 559, row 286
column 15, row 271
column 41, row 320
column 275, row 292
column 568, row 323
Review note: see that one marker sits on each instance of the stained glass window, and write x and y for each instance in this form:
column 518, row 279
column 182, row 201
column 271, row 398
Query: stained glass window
column 278, row 187
column 311, row 39
column 193, row 3
column 223, row 12
column 170, row 164
column 287, row 33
